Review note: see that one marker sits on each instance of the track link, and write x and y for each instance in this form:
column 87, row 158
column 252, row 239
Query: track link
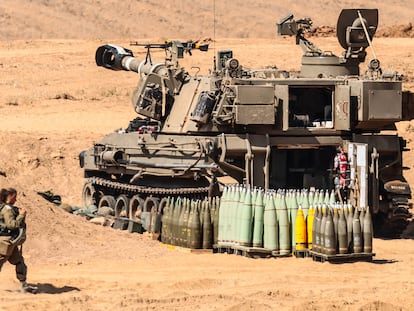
column 134, row 189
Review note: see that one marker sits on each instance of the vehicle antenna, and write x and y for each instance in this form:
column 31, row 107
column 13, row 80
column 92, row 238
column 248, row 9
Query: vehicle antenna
column 367, row 35
column 214, row 35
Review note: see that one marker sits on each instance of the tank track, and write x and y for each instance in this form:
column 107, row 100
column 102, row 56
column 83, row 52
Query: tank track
column 134, row 189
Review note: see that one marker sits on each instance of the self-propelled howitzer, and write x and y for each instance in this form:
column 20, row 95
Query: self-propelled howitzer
column 265, row 128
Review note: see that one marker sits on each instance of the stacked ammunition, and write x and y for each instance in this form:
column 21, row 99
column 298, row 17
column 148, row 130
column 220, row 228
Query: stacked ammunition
column 282, row 221
column 341, row 229
column 285, row 221
column 189, row 222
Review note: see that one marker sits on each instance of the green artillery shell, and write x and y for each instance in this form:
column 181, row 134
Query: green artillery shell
column 342, row 232
column 329, row 240
column 356, row 233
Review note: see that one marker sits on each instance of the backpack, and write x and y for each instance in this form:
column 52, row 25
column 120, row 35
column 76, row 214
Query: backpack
column 3, row 228
column 2, row 223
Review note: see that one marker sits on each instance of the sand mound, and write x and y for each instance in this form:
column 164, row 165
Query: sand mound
column 397, row 31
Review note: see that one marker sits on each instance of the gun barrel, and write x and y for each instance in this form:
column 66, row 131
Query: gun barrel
column 115, row 57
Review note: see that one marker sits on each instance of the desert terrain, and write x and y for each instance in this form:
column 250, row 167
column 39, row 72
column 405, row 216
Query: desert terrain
column 55, row 102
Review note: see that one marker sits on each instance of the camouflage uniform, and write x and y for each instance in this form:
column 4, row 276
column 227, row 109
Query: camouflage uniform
column 10, row 223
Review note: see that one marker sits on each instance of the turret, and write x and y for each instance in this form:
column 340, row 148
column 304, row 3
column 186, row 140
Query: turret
column 159, row 82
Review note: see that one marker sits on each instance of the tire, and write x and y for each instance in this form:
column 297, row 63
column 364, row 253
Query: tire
column 106, row 205
column 122, row 206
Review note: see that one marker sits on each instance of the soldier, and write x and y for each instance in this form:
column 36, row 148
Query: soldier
column 13, row 228
column 341, row 169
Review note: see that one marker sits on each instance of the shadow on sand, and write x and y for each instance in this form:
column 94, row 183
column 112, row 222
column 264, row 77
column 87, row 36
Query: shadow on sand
column 384, row 261
column 46, row 288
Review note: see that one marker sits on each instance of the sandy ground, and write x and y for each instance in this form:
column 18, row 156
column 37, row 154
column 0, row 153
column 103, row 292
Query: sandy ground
column 173, row 279
column 54, row 102
column 45, row 19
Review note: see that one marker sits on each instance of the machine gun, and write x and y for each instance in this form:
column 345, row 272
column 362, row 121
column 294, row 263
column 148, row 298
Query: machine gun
column 177, row 48
column 290, row 27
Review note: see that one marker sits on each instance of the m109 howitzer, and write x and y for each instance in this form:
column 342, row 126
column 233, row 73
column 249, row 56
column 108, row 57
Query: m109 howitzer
column 269, row 128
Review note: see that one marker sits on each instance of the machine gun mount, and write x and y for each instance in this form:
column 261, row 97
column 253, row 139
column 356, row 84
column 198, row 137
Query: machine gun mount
column 355, row 30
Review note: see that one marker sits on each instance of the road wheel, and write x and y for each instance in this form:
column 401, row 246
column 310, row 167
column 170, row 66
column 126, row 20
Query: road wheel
column 122, row 206
column 89, row 194
column 150, row 207
column 106, row 206
column 136, row 206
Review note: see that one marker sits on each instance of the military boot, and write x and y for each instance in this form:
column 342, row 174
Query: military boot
column 26, row 288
